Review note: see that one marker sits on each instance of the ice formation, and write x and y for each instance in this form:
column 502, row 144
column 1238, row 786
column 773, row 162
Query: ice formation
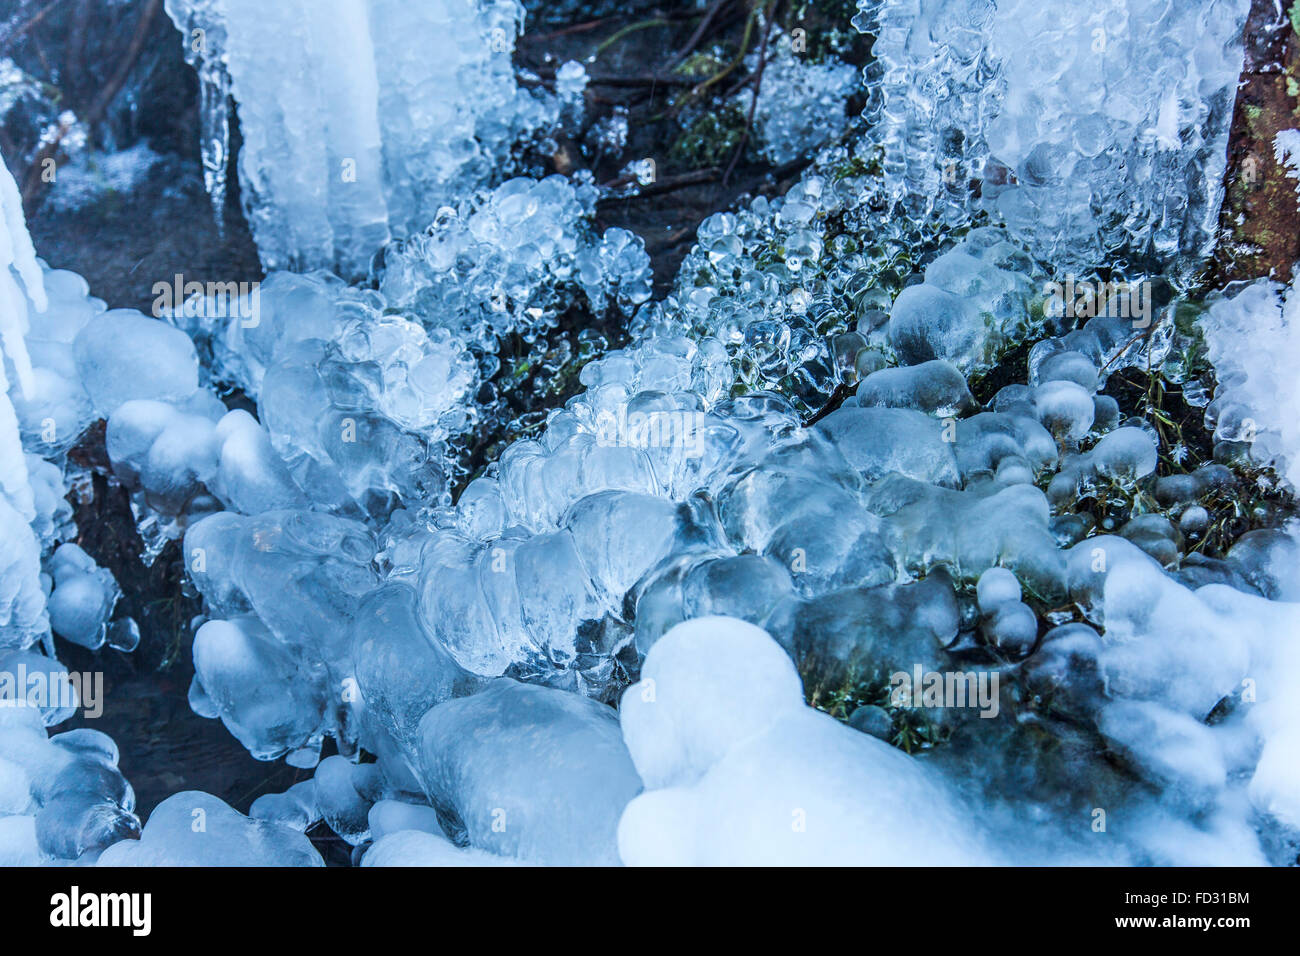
column 739, row 771
column 359, row 119
column 629, row 637
column 1257, row 391
column 801, row 106
column 1089, row 147
column 22, row 603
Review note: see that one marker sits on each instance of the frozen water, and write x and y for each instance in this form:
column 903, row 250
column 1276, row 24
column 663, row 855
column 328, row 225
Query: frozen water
column 1257, row 387
column 22, row 612
column 83, row 597
column 739, row 771
column 1088, row 146
column 359, row 119
column 122, row 355
column 801, row 105
column 701, row 534
column 61, row 797
column 197, row 829
column 528, row 772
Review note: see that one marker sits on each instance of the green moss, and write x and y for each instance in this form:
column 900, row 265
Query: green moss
column 710, row 139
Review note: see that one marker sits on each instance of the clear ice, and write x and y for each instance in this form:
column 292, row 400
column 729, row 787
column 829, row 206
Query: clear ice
column 603, row 649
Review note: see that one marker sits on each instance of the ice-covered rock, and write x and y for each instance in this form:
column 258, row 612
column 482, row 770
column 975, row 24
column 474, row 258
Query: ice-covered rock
column 528, row 772
column 83, row 598
column 22, row 611
column 1257, row 391
column 1094, row 150
column 192, row 828
column 739, row 771
column 61, row 797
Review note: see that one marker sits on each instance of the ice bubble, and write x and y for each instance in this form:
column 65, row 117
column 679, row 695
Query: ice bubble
column 123, row 355
column 529, row 772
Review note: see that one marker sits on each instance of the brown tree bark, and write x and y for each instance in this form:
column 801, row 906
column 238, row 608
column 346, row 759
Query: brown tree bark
column 1259, row 225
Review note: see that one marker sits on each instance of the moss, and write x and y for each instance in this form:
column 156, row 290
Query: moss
column 710, row 139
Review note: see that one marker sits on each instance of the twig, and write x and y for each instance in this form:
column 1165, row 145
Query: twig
column 744, row 48
column 14, row 34
column 661, row 186
column 696, row 37
column 630, row 28
column 566, row 31
column 770, row 16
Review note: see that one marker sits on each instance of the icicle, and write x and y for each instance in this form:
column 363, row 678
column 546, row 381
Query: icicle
column 22, row 614
column 360, row 118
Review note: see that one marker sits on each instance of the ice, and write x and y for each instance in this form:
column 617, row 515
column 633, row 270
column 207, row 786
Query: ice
column 738, row 771
column 1286, row 150
column 83, row 597
column 996, row 586
column 975, row 298
column 1065, row 408
column 393, row 816
column 400, row 670
column 410, row 848
column 43, row 683
column 267, row 699
column 55, row 411
column 22, row 599
column 192, row 828
column 528, row 772
column 801, row 105
column 285, row 586
column 1095, row 150
column 1255, row 386
column 296, row 808
column 373, row 115
column 1012, row 628
column 123, row 355
column 882, row 441
column 1122, row 456
column 868, row 633
column 515, row 257
column 91, row 176
column 709, row 530
column 341, row 789
column 1155, row 535
column 63, row 796
column 929, row 323
column 22, row 613
column 935, row 387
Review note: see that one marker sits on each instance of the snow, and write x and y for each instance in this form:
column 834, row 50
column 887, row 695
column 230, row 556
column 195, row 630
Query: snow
column 739, row 771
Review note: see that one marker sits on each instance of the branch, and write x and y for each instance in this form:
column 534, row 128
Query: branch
column 14, row 33
column 758, row 83
column 696, row 37
column 661, row 186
